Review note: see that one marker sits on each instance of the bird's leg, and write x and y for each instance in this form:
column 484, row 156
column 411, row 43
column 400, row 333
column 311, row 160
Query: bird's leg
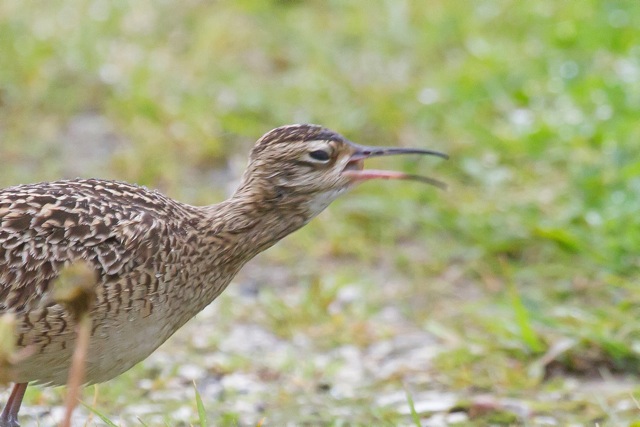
column 9, row 416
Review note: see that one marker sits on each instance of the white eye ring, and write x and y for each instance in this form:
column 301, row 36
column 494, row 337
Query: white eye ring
column 321, row 156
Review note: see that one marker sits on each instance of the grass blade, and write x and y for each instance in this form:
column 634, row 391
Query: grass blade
column 202, row 415
column 100, row 415
column 412, row 408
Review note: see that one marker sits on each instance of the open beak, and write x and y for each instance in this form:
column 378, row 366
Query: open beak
column 355, row 167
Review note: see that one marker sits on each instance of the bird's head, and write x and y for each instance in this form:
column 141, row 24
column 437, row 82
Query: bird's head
column 311, row 165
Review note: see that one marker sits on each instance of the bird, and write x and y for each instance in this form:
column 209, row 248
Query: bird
column 157, row 261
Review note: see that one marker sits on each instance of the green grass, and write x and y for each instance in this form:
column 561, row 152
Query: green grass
column 202, row 414
column 534, row 245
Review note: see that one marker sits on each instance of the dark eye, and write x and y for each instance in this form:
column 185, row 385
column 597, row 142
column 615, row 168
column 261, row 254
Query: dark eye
column 320, row 155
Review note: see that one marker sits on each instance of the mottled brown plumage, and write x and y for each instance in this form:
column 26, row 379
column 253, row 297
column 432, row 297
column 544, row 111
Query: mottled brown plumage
column 158, row 261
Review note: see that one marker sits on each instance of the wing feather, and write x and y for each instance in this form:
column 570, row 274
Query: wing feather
column 44, row 227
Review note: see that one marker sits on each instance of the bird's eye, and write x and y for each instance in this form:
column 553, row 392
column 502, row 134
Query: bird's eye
column 319, row 155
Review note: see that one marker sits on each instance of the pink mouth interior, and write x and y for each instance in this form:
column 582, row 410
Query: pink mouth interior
column 374, row 174
column 355, row 170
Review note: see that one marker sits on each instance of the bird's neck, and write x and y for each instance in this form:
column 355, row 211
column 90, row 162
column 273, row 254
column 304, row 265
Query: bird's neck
column 247, row 223
column 232, row 232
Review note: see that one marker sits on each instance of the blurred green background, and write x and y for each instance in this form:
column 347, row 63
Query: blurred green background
column 521, row 279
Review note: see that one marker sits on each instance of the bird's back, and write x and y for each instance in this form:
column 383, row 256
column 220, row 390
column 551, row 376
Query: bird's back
column 144, row 248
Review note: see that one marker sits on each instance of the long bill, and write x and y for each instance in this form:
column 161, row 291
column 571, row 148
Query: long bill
column 355, row 167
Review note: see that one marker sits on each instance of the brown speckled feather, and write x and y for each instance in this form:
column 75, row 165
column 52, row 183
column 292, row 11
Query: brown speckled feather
column 45, row 226
column 137, row 240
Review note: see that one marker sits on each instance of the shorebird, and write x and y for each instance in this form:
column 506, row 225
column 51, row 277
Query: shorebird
column 158, row 262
